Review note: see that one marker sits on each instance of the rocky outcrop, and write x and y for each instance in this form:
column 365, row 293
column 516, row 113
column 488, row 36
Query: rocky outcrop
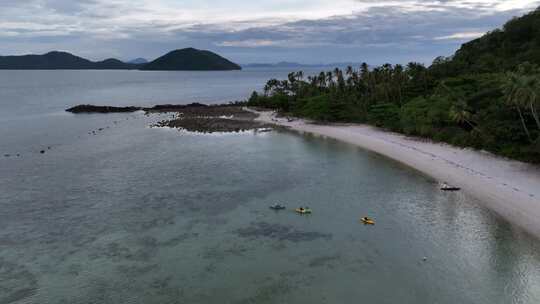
column 101, row 109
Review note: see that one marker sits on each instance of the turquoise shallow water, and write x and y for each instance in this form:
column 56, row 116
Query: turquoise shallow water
column 140, row 215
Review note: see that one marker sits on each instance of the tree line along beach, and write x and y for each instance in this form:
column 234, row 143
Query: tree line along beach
column 469, row 103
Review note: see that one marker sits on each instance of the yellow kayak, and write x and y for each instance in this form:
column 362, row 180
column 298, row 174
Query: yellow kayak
column 367, row 221
column 303, row 210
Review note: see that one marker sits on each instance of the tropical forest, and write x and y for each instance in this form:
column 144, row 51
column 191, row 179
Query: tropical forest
column 486, row 96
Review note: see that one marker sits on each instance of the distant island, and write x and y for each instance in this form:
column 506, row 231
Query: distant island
column 138, row 61
column 191, row 59
column 287, row 64
column 283, row 64
column 188, row 59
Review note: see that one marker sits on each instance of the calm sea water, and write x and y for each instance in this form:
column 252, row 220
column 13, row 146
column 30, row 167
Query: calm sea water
column 140, row 215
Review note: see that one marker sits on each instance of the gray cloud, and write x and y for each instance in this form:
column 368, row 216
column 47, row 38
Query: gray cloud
column 395, row 32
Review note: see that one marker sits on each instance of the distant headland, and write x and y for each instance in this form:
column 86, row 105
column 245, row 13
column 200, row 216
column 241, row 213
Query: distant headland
column 188, row 59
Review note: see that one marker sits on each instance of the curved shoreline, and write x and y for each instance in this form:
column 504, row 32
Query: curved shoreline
column 509, row 188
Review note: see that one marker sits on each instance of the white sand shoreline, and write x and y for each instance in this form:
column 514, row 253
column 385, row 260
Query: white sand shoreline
column 509, row 188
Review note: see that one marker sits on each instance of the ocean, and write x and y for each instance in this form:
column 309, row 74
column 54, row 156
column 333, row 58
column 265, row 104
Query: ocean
column 113, row 211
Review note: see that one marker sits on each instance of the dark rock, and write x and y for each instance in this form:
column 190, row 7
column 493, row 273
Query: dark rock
column 174, row 108
column 201, row 110
column 101, row 109
column 210, row 124
column 196, row 117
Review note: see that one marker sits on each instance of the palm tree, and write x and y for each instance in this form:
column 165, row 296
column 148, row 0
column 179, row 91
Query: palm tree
column 459, row 111
column 329, row 78
column 531, row 87
column 337, row 71
column 349, row 70
column 300, row 75
column 340, row 80
column 364, row 70
column 312, row 80
column 322, row 79
column 459, row 114
column 517, row 93
column 365, row 77
column 399, row 80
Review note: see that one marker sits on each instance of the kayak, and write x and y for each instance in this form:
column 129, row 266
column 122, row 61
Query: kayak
column 450, row 189
column 446, row 187
column 303, row 210
column 368, row 221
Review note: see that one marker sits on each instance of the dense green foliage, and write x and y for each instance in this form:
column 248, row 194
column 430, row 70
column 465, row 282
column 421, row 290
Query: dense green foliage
column 191, row 59
column 485, row 97
column 498, row 51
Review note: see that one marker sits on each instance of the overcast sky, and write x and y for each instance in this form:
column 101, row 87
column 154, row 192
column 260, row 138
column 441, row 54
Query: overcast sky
column 307, row 31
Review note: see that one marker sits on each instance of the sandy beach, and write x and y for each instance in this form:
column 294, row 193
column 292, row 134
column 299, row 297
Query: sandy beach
column 509, row 188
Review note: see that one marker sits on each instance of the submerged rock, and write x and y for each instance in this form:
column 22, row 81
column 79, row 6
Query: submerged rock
column 280, row 232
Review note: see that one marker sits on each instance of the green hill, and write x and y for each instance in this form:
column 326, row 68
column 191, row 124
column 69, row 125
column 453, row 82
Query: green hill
column 486, row 96
column 500, row 50
column 191, row 59
column 58, row 61
column 186, row 59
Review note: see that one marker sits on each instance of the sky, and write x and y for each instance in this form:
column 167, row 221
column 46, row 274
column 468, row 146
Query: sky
column 248, row 31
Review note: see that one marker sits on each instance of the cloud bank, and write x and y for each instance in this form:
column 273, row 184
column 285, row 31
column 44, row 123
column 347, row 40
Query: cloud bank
column 313, row 31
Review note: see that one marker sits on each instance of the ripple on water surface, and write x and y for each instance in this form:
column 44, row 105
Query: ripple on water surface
column 137, row 215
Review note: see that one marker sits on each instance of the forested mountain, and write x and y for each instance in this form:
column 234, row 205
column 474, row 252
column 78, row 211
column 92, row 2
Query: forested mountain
column 185, row 59
column 58, row 61
column 500, row 50
column 486, row 96
column 191, row 59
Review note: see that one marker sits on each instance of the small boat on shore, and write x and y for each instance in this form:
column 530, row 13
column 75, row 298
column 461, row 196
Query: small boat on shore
column 446, row 187
column 277, row 207
column 367, row 221
column 303, row 210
